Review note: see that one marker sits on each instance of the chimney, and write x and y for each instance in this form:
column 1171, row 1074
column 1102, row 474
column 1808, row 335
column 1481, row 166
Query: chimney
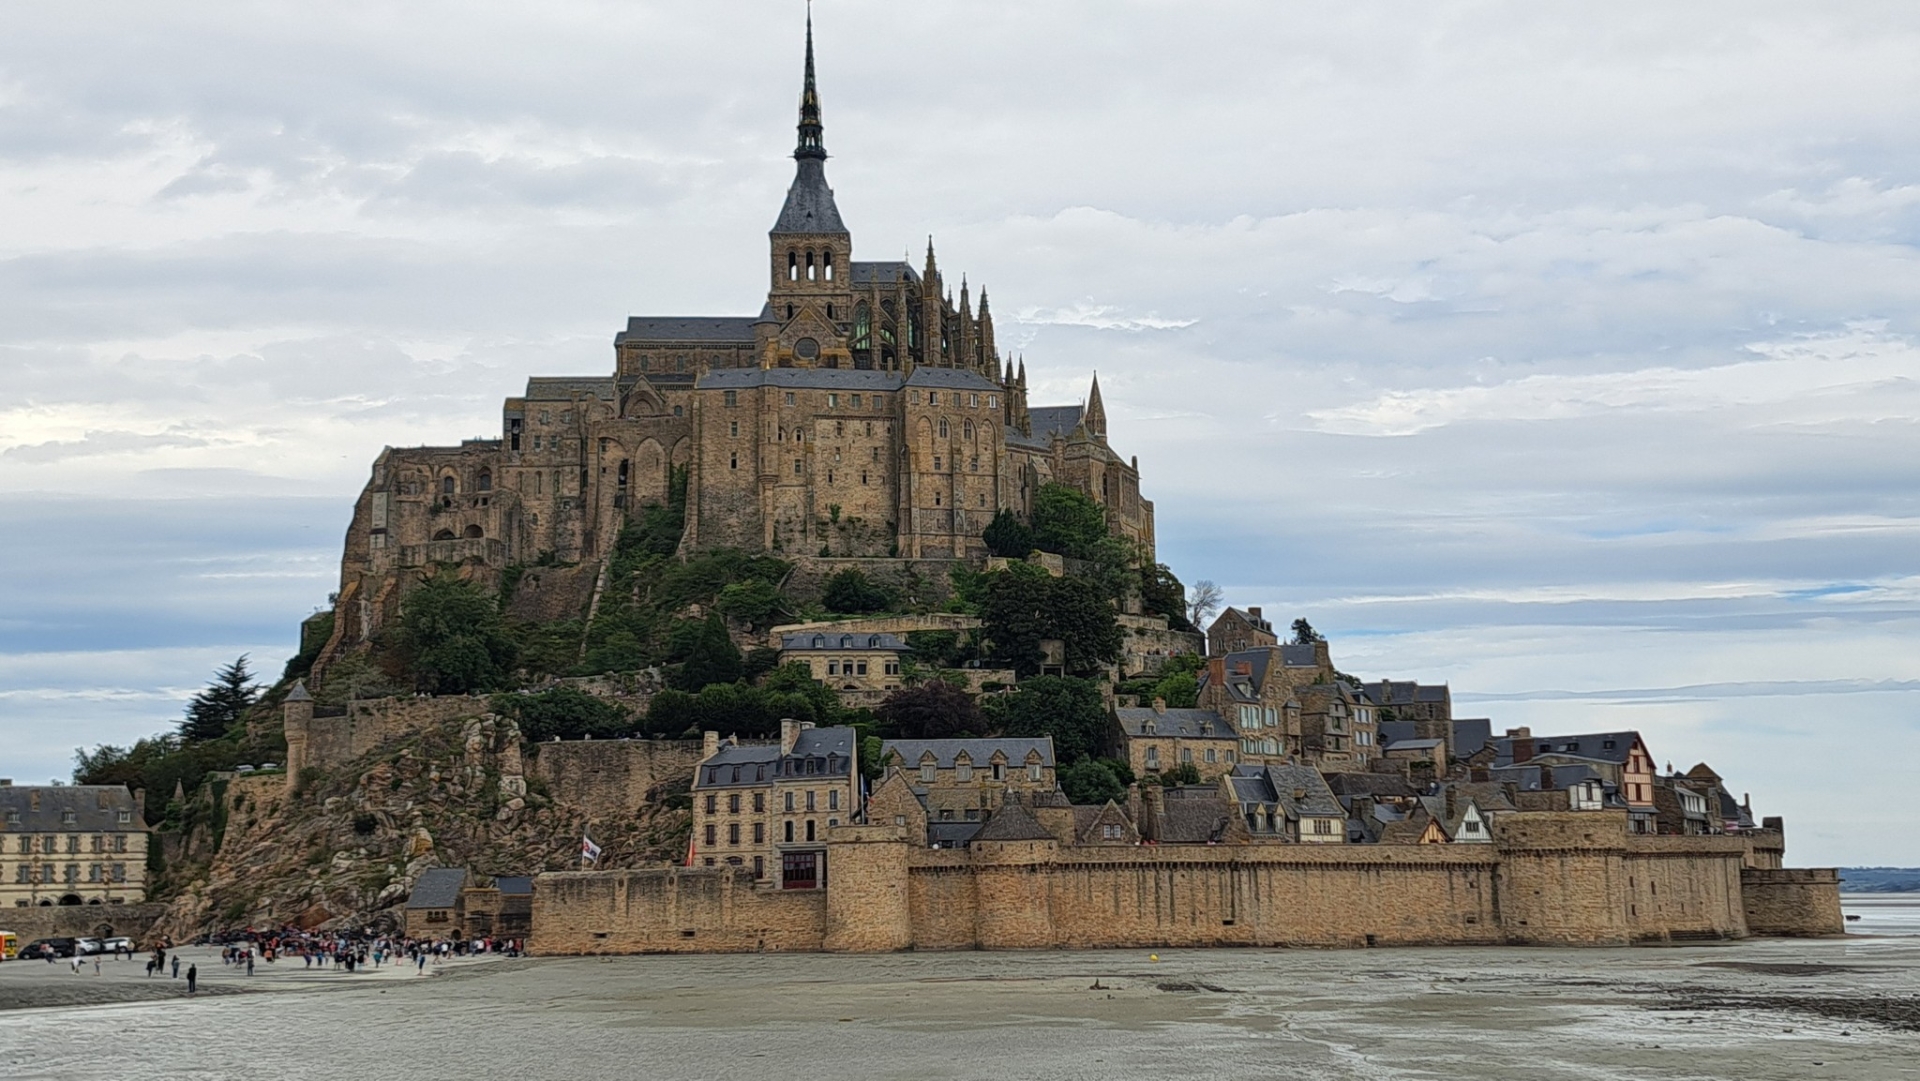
column 789, row 734
column 1160, row 706
column 709, row 745
column 1216, row 671
column 1362, row 807
column 1254, row 612
column 1546, row 776
column 1453, row 802
column 1521, row 742
column 140, row 802
column 1154, row 797
column 1322, row 656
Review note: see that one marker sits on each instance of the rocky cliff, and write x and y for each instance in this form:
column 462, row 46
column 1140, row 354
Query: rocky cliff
column 344, row 849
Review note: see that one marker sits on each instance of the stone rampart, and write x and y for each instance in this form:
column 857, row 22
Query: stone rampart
column 368, row 723
column 675, row 910
column 900, row 625
column 74, row 921
column 606, row 777
column 1551, row 878
column 1795, row 901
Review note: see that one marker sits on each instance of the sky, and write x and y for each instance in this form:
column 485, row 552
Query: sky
column 1565, row 354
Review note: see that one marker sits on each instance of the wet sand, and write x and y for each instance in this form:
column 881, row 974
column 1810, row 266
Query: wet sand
column 1756, row 1010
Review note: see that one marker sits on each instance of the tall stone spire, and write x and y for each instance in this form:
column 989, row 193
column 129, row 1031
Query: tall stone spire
column 810, row 208
column 1095, row 417
column 811, row 144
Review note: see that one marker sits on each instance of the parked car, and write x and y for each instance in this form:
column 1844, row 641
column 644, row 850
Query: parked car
column 87, row 947
column 115, row 945
column 39, row 948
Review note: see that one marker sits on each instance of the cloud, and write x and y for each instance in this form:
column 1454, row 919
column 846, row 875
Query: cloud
column 1520, row 348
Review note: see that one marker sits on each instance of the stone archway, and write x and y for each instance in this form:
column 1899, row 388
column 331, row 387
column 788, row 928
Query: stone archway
column 68, row 899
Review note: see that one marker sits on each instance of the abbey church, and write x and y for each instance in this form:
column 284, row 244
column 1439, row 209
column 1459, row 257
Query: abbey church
column 864, row 412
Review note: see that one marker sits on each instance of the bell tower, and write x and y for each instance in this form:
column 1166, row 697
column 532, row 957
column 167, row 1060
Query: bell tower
column 810, row 299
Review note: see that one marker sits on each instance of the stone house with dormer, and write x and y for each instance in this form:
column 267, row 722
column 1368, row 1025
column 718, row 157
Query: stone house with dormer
column 1234, row 631
column 1154, row 739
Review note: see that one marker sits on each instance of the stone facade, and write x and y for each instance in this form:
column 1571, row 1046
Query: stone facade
column 1549, row 878
column 767, row 809
column 1234, row 631
column 863, row 412
column 71, row 845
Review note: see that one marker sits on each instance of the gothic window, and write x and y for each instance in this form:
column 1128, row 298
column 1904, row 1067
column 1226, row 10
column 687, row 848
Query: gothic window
column 862, row 326
column 966, row 429
column 943, row 427
column 810, row 268
column 827, row 259
column 793, row 273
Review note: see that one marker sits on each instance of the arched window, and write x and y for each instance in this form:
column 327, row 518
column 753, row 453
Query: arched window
column 943, row 427
column 862, row 326
column 828, row 258
column 446, row 484
column 793, row 270
column 484, row 482
column 966, row 429
column 474, row 532
column 810, row 266
column 444, row 534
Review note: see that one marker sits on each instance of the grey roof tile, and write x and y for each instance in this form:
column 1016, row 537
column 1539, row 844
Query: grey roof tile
column 979, row 751
column 437, row 887
column 1183, row 723
column 669, row 329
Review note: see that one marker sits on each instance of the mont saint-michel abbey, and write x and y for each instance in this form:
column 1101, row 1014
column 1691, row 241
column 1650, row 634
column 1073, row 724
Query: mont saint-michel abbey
column 863, row 412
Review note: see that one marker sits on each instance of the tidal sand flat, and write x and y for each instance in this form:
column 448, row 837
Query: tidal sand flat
column 1755, row 1010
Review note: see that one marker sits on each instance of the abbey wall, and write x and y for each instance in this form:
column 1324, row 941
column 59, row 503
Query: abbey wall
column 1550, row 878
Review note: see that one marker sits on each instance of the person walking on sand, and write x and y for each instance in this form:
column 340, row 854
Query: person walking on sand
column 176, row 966
column 193, row 977
column 249, row 962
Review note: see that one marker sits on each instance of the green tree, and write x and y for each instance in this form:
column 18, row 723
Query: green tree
column 1068, row 521
column 450, row 638
column 218, row 709
column 756, row 602
column 706, row 654
column 1184, row 773
column 1070, row 710
column 931, row 710
column 1304, row 634
column 851, row 591
column 1024, row 605
column 1162, row 594
column 1091, row 781
column 792, row 691
column 566, row 712
column 671, row 713
column 1180, row 690
column 1008, row 536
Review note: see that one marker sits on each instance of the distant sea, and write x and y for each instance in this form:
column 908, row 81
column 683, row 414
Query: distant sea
column 1880, row 879
column 1882, row 913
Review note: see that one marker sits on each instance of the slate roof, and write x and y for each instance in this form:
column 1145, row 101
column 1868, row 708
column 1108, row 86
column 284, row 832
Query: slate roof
column 96, row 809
column 1415, row 745
column 1391, row 785
column 952, row 834
column 1298, row 655
column 979, row 751
column 299, row 692
column 1013, row 822
column 732, row 329
column 1181, row 723
column 800, row 378
column 1470, row 734
column 806, row 642
column 1392, row 732
column 1277, row 785
column 811, row 743
column 1407, row 692
column 437, row 887
column 809, row 207
column 1528, row 778
column 565, row 388
column 1592, row 745
column 883, row 273
column 1193, row 816
column 956, row 378
column 1048, row 419
column 514, row 885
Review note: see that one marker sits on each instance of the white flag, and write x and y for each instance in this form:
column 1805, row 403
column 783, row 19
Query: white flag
column 589, row 852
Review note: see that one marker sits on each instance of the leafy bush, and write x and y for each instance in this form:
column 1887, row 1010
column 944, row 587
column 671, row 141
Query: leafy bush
column 851, row 591
column 450, row 639
column 1070, row 710
column 931, row 710
column 566, row 712
column 1008, row 536
column 1091, row 781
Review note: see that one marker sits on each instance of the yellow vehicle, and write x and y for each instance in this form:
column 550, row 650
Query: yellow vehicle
column 9, row 946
